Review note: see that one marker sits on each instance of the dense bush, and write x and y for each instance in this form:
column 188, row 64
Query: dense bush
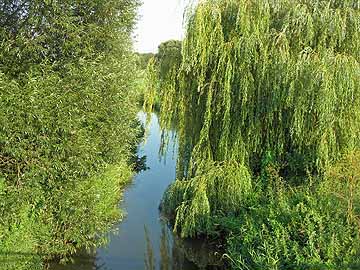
column 67, row 114
column 302, row 230
column 315, row 226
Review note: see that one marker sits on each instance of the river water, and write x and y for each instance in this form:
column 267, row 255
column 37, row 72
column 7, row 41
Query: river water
column 144, row 240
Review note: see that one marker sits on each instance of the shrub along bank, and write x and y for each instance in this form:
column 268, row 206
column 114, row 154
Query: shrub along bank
column 67, row 125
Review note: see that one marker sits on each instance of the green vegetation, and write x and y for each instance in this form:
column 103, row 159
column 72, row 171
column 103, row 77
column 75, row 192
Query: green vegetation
column 312, row 226
column 168, row 58
column 67, row 114
column 161, row 70
column 266, row 104
column 265, row 98
column 143, row 60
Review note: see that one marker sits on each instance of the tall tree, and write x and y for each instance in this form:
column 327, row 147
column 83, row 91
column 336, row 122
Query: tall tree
column 260, row 80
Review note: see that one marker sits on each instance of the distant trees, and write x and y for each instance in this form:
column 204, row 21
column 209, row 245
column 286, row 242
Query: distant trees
column 143, row 59
column 67, row 122
column 161, row 74
column 168, row 57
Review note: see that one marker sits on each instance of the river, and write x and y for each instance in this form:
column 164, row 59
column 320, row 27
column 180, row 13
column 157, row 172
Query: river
column 144, row 240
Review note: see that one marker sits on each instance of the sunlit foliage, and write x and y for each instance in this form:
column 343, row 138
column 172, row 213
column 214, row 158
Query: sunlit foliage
column 67, row 124
column 275, row 76
column 265, row 87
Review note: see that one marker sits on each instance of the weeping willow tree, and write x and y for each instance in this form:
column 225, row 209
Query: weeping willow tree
column 260, row 80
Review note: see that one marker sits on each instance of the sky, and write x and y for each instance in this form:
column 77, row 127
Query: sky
column 159, row 20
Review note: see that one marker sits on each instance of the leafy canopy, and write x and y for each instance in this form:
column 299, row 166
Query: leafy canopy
column 258, row 79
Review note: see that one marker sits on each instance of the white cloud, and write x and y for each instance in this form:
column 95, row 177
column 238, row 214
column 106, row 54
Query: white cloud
column 160, row 20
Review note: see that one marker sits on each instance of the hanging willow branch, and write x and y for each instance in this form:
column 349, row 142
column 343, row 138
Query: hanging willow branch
column 258, row 76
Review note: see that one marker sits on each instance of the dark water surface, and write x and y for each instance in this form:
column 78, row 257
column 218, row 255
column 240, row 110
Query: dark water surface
column 144, row 241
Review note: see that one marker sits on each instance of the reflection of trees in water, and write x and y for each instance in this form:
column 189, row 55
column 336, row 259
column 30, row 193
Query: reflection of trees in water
column 82, row 261
column 165, row 261
column 195, row 254
column 149, row 254
column 175, row 254
column 180, row 254
column 139, row 163
column 24, row 260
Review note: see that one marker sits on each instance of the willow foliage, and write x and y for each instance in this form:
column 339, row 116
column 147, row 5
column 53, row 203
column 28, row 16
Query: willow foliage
column 258, row 77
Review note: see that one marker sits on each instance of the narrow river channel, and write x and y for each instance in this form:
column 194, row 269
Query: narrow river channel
column 144, row 240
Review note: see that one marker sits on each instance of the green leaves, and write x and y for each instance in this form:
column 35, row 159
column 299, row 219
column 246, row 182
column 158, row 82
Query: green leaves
column 67, row 122
column 215, row 188
column 275, row 82
column 277, row 75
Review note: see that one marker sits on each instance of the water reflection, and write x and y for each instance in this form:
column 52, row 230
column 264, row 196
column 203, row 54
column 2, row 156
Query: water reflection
column 149, row 254
column 175, row 254
column 82, row 261
column 165, row 249
column 180, row 254
column 154, row 247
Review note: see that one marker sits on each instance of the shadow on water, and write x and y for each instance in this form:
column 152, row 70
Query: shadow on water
column 180, row 254
column 140, row 164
